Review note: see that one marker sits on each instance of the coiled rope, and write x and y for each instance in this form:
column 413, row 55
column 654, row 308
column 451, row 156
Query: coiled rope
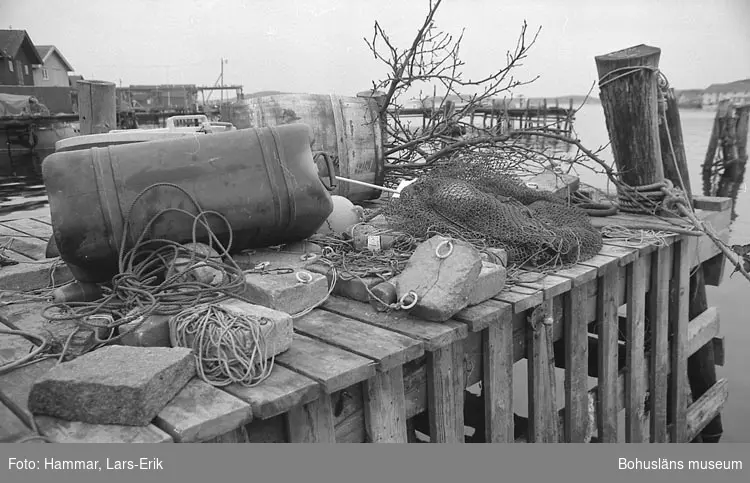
column 229, row 346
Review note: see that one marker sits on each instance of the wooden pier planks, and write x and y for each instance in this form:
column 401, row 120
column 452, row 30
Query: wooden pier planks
column 384, row 397
column 637, row 284
column 658, row 316
column 200, row 412
column 679, row 288
column 497, row 381
column 305, row 398
column 576, row 420
column 283, row 390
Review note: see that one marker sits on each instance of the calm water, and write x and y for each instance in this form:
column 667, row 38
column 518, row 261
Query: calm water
column 729, row 296
column 25, row 193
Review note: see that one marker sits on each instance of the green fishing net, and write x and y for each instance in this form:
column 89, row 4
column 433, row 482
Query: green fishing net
column 476, row 201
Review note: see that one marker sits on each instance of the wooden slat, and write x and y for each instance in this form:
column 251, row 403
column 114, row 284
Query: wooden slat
column 578, row 274
column 624, row 255
column 705, row 409
column 678, row 324
column 43, row 219
column 643, row 247
column 76, row 432
column 333, row 367
column 550, row 285
column 522, row 298
column 434, row 335
column 576, row 366
column 385, row 407
column 312, row 422
column 31, row 227
column 658, row 315
column 602, row 263
column 607, row 332
column 22, row 243
column 635, row 384
column 543, row 417
column 497, row 380
column 444, row 398
column 201, row 411
column 283, row 390
column 388, row 349
column 712, row 203
column 481, row 316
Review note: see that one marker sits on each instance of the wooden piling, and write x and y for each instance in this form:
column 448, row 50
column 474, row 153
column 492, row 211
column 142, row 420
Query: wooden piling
column 701, row 366
column 628, row 85
column 97, row 107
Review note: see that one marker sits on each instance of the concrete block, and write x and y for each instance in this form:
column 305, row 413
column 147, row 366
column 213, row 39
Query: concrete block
column 32, row 276
column 442, row 272
column 287, row 292
column 497, row 256
column 354, row 288
column 121, row 385
column 490, row 283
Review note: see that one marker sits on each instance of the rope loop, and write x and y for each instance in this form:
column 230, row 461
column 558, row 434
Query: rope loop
column 443, row 243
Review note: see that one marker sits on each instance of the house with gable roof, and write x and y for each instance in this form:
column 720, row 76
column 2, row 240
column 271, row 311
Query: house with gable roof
column 17, row 58
column 54, row 69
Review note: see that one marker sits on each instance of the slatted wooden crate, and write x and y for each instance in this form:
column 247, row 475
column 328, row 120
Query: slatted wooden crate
column 357, row 375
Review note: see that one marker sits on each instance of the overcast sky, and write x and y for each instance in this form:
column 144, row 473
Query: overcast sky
column 317, row 45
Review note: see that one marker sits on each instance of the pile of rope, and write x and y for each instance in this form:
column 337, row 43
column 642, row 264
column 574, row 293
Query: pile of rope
column 229, row 346
column 145, row 285
column 148, row 284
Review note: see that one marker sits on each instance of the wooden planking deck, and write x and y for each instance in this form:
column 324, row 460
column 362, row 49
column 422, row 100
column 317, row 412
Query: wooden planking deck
column 434, row 335
column 22, row 243
column 334, row 368
column 283, row 390
column 30, row 227
column 386, row 348
column 201, row 411
column 298, row 392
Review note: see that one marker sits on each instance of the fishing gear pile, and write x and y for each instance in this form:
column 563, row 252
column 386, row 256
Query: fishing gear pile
column 473, row 200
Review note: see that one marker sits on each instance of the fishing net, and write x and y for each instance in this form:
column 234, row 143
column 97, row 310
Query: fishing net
column 476, row 201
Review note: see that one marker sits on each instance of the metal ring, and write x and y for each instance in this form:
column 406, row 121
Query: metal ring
column 328, row 251
column 413, row 302
column 304, row 277
column 450, row 249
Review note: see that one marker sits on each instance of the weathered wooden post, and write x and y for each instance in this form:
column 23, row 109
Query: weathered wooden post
column 629, row 91
column 97, row 106
column 702, row 364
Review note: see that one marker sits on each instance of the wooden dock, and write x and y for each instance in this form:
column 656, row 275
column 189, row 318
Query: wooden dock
column 357, row 375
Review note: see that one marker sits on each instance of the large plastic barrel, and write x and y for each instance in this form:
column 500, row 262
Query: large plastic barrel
column 264, row 181
column 346, row 127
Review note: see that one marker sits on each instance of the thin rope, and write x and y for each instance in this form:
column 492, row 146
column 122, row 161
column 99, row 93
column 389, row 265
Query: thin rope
column 229, row 346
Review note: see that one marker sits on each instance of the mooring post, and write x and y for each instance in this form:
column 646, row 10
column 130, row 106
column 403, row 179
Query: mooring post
column 701, row 365
column 97, row 108
column 629, row 91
